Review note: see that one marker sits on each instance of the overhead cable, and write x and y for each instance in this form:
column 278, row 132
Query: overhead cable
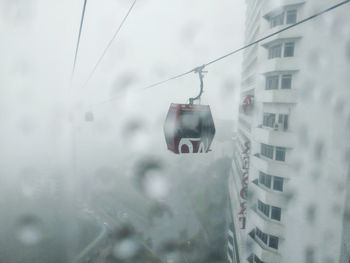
column 194, row 70
column 78, row 41
column 109, row 44
column 250, row 44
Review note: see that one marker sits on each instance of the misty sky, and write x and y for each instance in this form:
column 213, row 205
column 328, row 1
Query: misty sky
column 160, row 38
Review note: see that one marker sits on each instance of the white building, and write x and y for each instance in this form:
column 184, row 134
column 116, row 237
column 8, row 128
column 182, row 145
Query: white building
column 271, row 150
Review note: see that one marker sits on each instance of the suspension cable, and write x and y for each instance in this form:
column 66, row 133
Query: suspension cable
column 194, row 70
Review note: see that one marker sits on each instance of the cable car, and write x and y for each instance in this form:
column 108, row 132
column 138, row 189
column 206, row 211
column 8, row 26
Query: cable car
column 189, row 128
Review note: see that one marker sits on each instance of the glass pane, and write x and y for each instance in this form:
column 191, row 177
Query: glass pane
column 285, row 122
column 280, row 153
column 289, row 49
column 276, row 213
column 269, row 119
column 291, row 17
column 262, row 236
column 273, row 242
column 286, row 82
column 268, row 181
column 265, row 209
column 275, row 51
column 278, row 183
column 272, row 82
column 277, row 20
column 267, row 150
column 265, row 179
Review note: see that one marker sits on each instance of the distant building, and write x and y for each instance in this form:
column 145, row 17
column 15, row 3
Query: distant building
column 291, row 145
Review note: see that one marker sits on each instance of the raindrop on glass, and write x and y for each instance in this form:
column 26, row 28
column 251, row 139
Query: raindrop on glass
column 29, row 230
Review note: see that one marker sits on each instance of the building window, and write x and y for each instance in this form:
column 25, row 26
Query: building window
column 276, row 213
column 286, row 82
column 286, row 17
column 291, row 17
column 278, row 183
column 288, row 49
column 276, row 20
column 272, row 212
column 283, row 81
column 280, row 154
column 265, row 179
column 283, row 121
column 269, row 240
column 272, row 82
column 265, row 209
column 268, row 180
column 269, row 119
column 273, row 242
column 275, row 51
column 267, row 150
column 262, row 236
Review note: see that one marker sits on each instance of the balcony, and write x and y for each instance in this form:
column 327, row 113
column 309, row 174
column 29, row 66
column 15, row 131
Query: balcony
column 267, row 225
column 274, row 6
column 268, row 196
column 269, row 166
column 273, row 137
column 280, row 64
column 265, row 254
column 277, row 96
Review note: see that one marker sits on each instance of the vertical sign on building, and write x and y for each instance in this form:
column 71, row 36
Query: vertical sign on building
column 244, row 182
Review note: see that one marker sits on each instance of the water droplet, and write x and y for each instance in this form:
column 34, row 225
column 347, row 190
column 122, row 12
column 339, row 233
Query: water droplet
column 29, row 230
column 303, row 135
column 339, row 28
column 316, row 59
column 189, row 32
column 158, row 210
column 310, row 213
column 126, row 249
column 29, row 181
column 347, row 50
column 319, row 150
column 155, row 185
column 122, row 84
column 150, row 179
column 229, row 86
column 309, row 255
column 325, row 96
column 316, row 175
column 339, row 106
column 104, row 179
column 307, row 91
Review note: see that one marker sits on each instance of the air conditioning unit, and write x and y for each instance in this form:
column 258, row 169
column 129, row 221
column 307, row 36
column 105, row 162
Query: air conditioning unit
column 278, row 126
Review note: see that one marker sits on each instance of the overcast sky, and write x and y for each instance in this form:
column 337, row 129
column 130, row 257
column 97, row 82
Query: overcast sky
column 159, row 39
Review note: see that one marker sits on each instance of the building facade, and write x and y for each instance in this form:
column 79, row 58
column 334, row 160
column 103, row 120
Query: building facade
column 270, row 148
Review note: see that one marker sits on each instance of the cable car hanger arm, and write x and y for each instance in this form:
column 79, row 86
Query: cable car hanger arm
column 200, row 72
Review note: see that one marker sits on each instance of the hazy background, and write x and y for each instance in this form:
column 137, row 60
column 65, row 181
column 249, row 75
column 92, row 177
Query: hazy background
column 55, row 167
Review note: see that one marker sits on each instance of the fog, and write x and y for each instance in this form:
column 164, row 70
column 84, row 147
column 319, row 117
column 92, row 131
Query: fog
column 99, row 165
column 106, row 189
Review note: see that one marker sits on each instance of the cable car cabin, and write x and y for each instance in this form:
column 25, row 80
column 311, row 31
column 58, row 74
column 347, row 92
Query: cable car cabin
column 189, row 128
